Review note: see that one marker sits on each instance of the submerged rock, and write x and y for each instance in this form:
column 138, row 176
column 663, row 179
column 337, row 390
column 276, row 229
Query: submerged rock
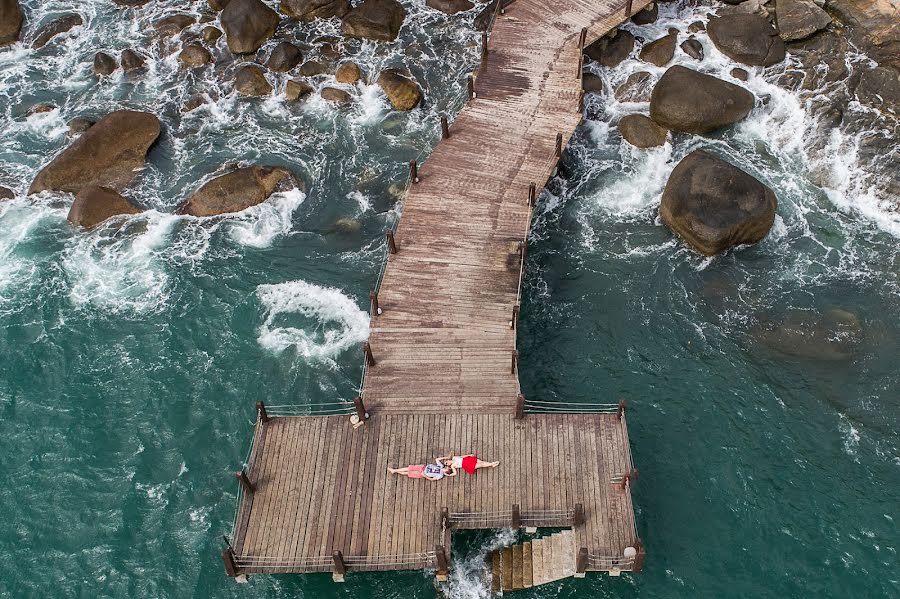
column 834, row 336
column 641, row 132
column 194, row 56
column 307, row 10
column 610, row 51
column 251, row 81
column 284, row 57
column 131, row 60
column 636, row 88
column 661, row 51
column 749, row 39
column 450, row 7
column 378, row 20
column 248, row 25
column 104, row 64
column 799, row 19
column 714, row 206
column 79, row 125
column 692, row 102
column 237, row 190
column 401, row 90
column 108, row 154
column 46, row 33
column 95, row 204
column 10, row 21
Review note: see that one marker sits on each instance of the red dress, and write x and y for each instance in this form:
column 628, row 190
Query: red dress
column 468, row 463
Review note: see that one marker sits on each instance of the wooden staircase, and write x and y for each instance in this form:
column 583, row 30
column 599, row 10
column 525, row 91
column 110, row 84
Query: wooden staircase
column 533, row 563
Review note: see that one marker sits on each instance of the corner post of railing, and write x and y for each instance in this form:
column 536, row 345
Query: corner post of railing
column 367, row 351
column 360, row 408
column 520, row 407
column 559, row 139
column 514, row 321
column 261, row 411
column 621, row 411
column 339, row 568
column 514, row 362
column 532, row 194
column 640, row 554
column 392, row 243
column 484, row 47
column 471, row 87
column 578, row 518
column 373, row 298
column 629, row 476
column 516, row 520
column 244, row 480
column 413, row 171
column 231, row 568
column 628, row 7
column 445, row 127
column 443, row 564
column 581, row 563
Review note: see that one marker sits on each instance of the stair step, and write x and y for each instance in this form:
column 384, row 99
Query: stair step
column 568, row 537
column 558, row 556
column 517, row 582
column 496, row 573
column 537, row 561
column 506, row 560
column 527, row 566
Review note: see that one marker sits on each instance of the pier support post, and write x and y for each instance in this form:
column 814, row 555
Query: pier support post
column 360, row 408
column 392, row 244
column 621, row 411
column 231, row 568
column 558, row 145
column 520, row 407
column 443, row 565
column 471, row 86
column 373, row 298
column 581, row 562
column 340, row 568
column 516, row 520
column 261, row 411
column 244, row 480
column 413, row 171
column 514, row 362
column 532, row 194
column 639, row 557
column 445, row 128
column 578, row 519
column 367, row 351
column 514, row 321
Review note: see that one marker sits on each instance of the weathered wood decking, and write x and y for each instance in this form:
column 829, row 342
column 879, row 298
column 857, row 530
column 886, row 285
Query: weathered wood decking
column 445, row 377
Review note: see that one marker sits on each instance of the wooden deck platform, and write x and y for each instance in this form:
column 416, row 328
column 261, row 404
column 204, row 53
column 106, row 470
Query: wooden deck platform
column 443, row 375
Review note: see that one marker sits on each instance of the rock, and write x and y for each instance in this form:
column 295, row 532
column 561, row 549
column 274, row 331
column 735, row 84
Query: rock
column 311, row 68
column 104, row 64
column 451, row 7
column 714, row 206
column 348, row 72
column 748, row 39
column 696, row 27
column 237, row 190
column 592, row 84
column 193, row 103
column 330, row 51
column 641, row 132
column 874, row 25
column 173, row 25
column 378, row 20
column 210, row 34
column 693, row 48
column 10, row 21
column 294, row 89
column 338, row 96
column 609, row 52
column 879, row 88
column 307, row 10
column 636, row 88
column 194, row 56
column 250, row 80
column 131, row 60
column 692, row 102
column 46, row 33
column 248, row 24
column 217, row 5
column 107, row 154
column 646, row 15
column 401, row 90
column 741, row 74
column 284, row 57
column 799, row 19
column 834, row 336
column 346, row 225
column 661, row 51
column 6, row 194
column 95, row 204
column 41, row 108
column 79, row 125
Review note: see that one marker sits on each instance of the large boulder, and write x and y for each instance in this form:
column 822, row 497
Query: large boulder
column 194, row 56
column 46, row 33
column 692, row 102
column 173, row 25
column 307, row 10
column 749, row 39
column 610, row 51
column 799, row 19
column 335, row 95
column 248, row 24
column 379, row 20
column 10, row 21
column 401, row 90
column 284, row 57
column 641, row 132
column 661, row 51
column 348, row 73
column 450, row 7
column 237, row 190
column 832, row 336
column 250, row 80
column 95, row 204
column 874, row 25
column 108, row 154
column 646, row 15
column 295, row 89
column 714, row 206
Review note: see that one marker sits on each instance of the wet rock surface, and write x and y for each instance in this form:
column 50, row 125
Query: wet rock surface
column 640, row 131
column 238, row 190
column 94, row 204
column 693, row 102
column 746, row 38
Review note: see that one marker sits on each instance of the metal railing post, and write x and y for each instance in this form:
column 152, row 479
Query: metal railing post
column 413, row 171
column 532, row 194
column 471, row 87
column 578, row 519
column 514, row 362
column 445, row 128
column 559, row 139
column 639, row 557
column 520, row 407
column 443, row 566
column 392, row 244
column 231, row 568
column 373, row 298
column 628, row 7
column 514, row 321
column 244, row 480
column 621, row 411
column 367, row 351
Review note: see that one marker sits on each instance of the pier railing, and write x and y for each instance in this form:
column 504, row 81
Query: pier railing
column 513, row 518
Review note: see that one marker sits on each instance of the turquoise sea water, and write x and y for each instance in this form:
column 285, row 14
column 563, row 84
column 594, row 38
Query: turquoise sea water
column 131, row 356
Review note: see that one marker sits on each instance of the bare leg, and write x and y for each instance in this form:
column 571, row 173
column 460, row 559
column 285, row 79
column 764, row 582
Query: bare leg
column 398, row 470
column 483, row 464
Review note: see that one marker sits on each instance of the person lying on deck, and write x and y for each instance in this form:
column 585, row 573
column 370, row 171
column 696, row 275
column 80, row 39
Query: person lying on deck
column 429, row 471
column 469, row 463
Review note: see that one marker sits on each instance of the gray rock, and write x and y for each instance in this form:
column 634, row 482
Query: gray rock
column 799, row 19
column 311, row 68
column 10, row 21
column 661, row 51
column 250, row 80
column 696, row 27
column 692, row 102
column 641, row 132
column 741, row 74
column 6, row 194
column 131, row 60
column 693, row 48
column 873, row 25
column 748, row 39
column 104, row 64
column 173, row 25
column 378, row 20
column 79, row 125
column 284, row 57
column 636, row 88
column 879, row 88
column 248, row 24
column 307, row 10
column 217, row 5
column 46, row 33
column 95, row 204
column 592, row 84
column 211, row 34
column 646, row 15
column 610, row 51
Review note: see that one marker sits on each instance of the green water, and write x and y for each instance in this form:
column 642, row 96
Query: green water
column 130, row 358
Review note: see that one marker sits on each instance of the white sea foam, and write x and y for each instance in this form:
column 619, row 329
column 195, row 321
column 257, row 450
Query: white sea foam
column 259, row 225
column 332, row 321
column 468, row 575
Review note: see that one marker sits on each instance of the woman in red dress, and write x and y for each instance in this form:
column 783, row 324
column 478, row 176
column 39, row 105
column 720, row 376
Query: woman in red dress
column 470, row 463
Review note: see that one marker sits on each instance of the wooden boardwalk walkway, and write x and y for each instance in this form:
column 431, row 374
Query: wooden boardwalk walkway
column 442, row 377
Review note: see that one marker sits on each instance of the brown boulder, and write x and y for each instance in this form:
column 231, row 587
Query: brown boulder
column 104, row 64
column 95, row 204
column 311, row 68
column 295, row 89
column 661, row 51
column 211, row 34
column 348, row 72
column 307, row 10
column 874, row 25
column 693, row 48
column 610, row 51
column 646, row 15
column 107, row 154
column 250, row 80
column 174, row 24
column 79, row 125
column 6, row 194
column 54, row 28
column 641, row 132
column 693, row 102
column 131, row 60
column 378, row 20
column 338, row 96
column 248, row 25
column 10, row 21
column 450, row 7
column 746, row 38
column 740, row 74
column 799, row 19
column 217, row 5
column 636, row 88
column 284, row 57
column 401, row 90
column 714, row 206
column 592, row 84
column 237, row 190
column 194, row 56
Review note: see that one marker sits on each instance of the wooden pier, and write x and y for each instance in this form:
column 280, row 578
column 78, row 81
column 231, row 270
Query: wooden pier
column 441, row 363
